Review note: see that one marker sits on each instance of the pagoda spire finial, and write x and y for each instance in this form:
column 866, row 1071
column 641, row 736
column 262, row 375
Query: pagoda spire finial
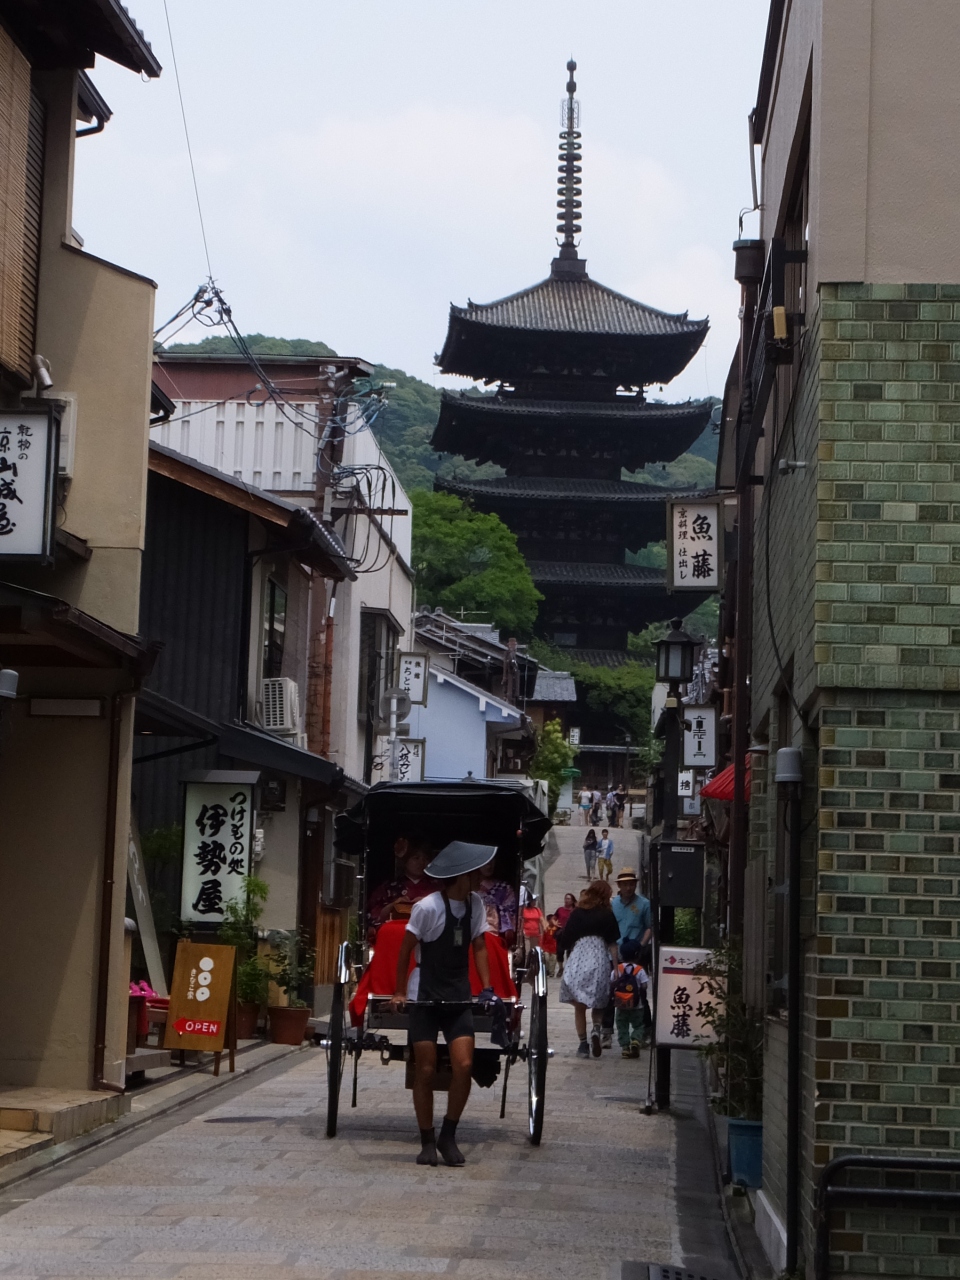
column 567, row 264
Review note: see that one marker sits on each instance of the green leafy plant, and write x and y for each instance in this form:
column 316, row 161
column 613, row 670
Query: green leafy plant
column 553, row 755
column 737, row 1053
column 469, row 561
column 293, row 962
column 253, row 981
column 240, row 916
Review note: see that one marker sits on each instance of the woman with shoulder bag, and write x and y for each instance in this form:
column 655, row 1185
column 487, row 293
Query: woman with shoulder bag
column 589, row 943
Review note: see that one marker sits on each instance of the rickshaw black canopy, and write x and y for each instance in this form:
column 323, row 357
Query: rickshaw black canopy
column 481, row 812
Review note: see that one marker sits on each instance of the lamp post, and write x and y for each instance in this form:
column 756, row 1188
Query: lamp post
column 674, row 668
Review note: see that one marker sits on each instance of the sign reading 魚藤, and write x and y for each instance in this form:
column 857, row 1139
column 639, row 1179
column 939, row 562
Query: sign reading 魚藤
column 200, row 996
column 700, row 737
column 695, row 537
column 217, row 835
column 28, row 472
column 414, row 668
column 681, row 999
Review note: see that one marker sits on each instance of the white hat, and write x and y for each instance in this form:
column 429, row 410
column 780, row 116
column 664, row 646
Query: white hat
column 458, row 858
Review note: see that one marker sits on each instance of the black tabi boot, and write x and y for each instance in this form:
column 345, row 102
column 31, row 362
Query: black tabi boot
column 447, row 1143
column 428, row 1147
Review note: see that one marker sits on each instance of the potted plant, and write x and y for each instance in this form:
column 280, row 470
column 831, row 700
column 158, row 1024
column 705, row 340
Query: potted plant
column 239, row 929
column 293, row 963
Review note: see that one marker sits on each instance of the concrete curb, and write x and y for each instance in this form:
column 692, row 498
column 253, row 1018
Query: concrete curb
column 49, row 1158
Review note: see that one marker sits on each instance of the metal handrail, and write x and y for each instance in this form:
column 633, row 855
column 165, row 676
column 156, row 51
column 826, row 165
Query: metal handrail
column 827, row 1193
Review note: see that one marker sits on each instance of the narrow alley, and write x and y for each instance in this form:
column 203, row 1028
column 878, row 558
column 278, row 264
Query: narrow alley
column 251, row 1187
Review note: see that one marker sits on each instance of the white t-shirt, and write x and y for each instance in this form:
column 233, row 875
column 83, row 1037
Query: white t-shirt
column 427, row 920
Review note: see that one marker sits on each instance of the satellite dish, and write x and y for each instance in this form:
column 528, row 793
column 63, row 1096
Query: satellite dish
column 403, row 702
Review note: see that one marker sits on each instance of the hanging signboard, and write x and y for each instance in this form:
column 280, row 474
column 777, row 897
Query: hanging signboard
column 414, row 669
column 411, row 754
column 681, row 999
column 217, row 837
column 685, row 783
column 694, row 546
column 200, row 997
column 28, row 474
column 700, row 737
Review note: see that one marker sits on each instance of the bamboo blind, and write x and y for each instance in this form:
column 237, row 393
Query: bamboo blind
column 17, row 267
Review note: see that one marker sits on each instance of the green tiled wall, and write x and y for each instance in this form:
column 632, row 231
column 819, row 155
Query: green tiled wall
column 888, row 534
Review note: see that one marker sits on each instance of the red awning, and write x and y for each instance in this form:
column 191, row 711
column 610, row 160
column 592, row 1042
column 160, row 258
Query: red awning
column 721, row 787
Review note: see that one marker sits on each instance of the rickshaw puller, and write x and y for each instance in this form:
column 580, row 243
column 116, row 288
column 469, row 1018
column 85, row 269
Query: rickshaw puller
column 443, row 927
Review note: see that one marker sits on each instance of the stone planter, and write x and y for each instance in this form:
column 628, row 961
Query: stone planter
column 745, row 1151
column 288, row 1026
column 248, row 1015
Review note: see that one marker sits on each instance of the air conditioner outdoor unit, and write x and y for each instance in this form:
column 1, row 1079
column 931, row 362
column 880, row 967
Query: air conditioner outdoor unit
column 280, row 705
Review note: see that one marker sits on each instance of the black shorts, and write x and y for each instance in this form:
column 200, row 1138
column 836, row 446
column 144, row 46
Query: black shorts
column 427, row 1021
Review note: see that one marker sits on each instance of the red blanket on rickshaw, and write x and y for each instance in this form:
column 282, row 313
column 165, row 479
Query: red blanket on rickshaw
column 380, row 976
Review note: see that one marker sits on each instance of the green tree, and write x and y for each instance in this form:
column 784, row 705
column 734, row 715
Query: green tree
column 552, row 756
column 623, row 695
column 467, row 560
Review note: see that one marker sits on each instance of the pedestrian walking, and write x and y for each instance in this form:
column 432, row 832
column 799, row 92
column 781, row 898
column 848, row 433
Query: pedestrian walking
column 586, row 947
column 595, row 808
column 632, row 911
column 441, row 931
column 586, row 800
column 611, row 803
column 630, row 1001
column 590, row 853
column 532, row 926
column 605, row 855
column 621, row 803
column 548, row 944
column 563, row 913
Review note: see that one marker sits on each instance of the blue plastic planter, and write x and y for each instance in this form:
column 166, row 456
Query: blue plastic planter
column 745, row 1151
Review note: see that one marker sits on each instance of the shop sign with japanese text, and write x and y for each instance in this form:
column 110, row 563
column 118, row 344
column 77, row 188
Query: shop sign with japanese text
column 200, row 996
column 28, row 473
column 414, row 668
column 682, row 999
column 695, row 538
column 411, row 753
column 700, row 737
column 217, row 834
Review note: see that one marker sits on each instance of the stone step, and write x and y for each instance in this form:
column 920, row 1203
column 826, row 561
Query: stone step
column 62, row 1113
column 16, row 1144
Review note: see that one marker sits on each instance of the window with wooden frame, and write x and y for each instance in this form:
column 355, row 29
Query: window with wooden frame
column 21, row 182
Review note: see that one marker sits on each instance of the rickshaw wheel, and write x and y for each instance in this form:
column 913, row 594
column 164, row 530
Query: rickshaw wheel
column 537, row 1066
column 335, row 1055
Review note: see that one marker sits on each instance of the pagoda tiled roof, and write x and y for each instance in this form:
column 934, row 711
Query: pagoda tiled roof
column 578, row 306
column 627, row 409
column 560, row 573
column 557, row 489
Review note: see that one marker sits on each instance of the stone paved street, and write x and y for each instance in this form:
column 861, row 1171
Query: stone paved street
column 252, row 1188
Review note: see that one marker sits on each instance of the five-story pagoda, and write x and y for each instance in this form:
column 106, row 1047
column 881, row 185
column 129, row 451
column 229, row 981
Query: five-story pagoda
column 571, row 359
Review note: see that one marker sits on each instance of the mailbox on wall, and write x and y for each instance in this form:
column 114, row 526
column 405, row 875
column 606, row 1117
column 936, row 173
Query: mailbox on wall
column 681, row 874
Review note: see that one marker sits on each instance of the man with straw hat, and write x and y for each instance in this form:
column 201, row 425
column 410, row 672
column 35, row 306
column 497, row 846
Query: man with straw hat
column 441, row 930
column 632, row 910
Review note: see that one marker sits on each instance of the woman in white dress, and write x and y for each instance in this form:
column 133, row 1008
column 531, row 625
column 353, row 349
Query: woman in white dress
column 589, row 942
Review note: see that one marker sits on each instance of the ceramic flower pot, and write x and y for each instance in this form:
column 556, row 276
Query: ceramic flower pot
column 288, row 1026
column 248, row 1015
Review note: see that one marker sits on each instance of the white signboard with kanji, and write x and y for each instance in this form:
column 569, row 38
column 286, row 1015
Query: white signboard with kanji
column 695, row 532
column 681, row 996
column 217, row 836
column 685, row 782
column 412, row 679
column 28, row 465
column 700, row 737
column 411, row 754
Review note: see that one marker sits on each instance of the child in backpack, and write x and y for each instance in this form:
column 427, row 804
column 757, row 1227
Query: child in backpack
column 549, row 945
column 629, row 994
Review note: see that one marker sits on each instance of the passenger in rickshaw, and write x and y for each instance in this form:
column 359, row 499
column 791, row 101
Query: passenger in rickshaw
column 441, row 930
column 500, row 902
column 394, row 898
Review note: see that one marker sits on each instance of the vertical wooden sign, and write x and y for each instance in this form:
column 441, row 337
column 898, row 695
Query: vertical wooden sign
column 202, row 999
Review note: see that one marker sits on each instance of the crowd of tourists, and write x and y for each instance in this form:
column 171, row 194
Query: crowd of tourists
column 591, row 804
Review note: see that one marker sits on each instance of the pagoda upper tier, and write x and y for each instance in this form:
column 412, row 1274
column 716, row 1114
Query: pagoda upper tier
column 567, row 437
column 569, row 326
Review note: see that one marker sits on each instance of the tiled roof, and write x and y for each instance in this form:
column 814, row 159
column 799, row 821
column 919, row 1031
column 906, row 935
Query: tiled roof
column 554, row 686
column 599, row 657
column 577, row 306
column 553, row 489
column 550, row 572
column 625, row 409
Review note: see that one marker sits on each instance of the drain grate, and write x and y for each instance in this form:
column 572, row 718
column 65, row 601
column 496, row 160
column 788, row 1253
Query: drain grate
column 659, row 1271
column 250, row 1119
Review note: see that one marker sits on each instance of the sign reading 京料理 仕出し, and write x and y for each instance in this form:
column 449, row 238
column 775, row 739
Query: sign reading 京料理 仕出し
column 681, row 999
column 217, row 835
column 28, row 473
column 695, row 546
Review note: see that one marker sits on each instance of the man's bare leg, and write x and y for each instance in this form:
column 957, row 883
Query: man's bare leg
column 461, row 1062
column 425, row 1069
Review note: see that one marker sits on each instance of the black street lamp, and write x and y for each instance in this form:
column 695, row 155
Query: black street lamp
column 675, row 655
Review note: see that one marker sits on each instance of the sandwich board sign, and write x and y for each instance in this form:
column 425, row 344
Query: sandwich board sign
column 202, row 999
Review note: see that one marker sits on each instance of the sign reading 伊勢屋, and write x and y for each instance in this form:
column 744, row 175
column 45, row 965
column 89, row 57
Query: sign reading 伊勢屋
column 695, row 538
column 681, row 997
column 28, row 473
column 217, row 836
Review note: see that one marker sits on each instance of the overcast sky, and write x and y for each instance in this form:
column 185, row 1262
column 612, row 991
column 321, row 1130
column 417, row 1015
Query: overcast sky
column 362, row 165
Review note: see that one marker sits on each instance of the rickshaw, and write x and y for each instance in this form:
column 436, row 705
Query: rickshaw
column 437, row 812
